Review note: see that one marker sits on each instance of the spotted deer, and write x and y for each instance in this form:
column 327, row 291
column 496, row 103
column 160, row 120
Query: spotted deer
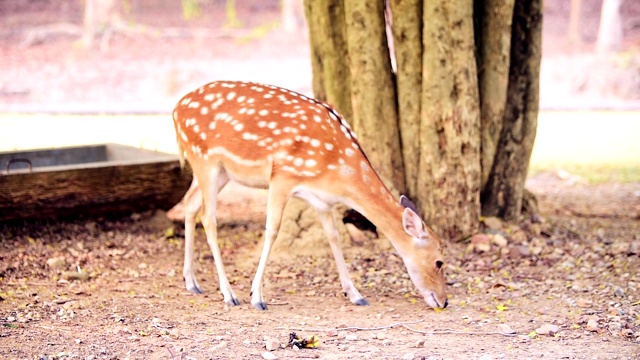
column 264, row 136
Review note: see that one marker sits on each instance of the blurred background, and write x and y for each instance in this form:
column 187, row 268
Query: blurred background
column 66, row 64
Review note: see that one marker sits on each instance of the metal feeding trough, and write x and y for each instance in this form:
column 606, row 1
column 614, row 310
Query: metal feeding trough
column 88, row 180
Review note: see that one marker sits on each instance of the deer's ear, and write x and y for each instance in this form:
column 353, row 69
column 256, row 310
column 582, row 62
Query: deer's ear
column 405, row 202
column 412, row 223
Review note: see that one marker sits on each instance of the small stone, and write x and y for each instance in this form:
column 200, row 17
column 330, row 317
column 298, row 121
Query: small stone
column 351, row 337
column 386, row 342
column 420, row 344
column 584, row 303
column 221, row 345
column 269, row 355
column 381, row 335
column 523, row 338
column 271, row 344
column 619, row 292
column 408, row 356
column 74, row 275
column 547, row 329
column 592, row 325
column 56, row 263
column 614, row 326
column 481, row 243
column 506, row 329
column 342, row 334
column 634, row 248
column 332, row 332
column 518, row 236
column 492, row 223
column 519, row 251
column 175, row 333
column 499, row 240
column 246, row 343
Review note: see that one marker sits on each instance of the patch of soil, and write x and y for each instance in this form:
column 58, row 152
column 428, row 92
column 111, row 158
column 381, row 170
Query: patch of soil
column 576, row 274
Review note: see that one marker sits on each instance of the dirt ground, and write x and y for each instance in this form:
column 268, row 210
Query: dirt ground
column 565, row 285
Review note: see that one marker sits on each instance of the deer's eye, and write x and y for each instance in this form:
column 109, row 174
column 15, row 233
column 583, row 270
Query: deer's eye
column 439, row 265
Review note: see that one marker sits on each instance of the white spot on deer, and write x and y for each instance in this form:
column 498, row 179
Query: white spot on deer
column 212, row 85
column 333, row 115
column 355, row 146
column 289, row 157
column 251, row 100
column 261, row 143
column 238, row 127
column 303, row 126
column 228, row 85
column 183, row 136
column 344, row 123
column 364, row 165
column 194, row 105
column 349, row 152
column 298, row 161
column 216, row 104
column 346, row 170
column 268, row 139
column 185, row 101
column 242, row 110
column 277, row 132
column 196, row 128
column 353, row 135
column 317, row 118
column 262, row 124
column 204, row 110
column 305, row 139
column 209, row 97
column 241, row 98
column 203, row 136
column 331, row 167
column 328, row 146
column 231, row 95
column 268, row 96
column 310, row 163
column 272, row 125
column 263, row 112
column 251, row 111
column 189, row 122
column 311, row 152
column 315, row 142
column 341, row 161
column 249, row 136
column 212, row 125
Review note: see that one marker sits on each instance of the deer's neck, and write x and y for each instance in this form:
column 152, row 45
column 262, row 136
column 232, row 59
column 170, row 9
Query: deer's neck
column 379, row 206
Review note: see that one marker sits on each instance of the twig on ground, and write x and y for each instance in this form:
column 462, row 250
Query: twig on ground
column 447, row 331
column 405, row 325
column 356, row 328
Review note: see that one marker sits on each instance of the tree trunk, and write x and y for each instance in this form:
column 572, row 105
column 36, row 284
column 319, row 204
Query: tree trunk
column 449, row 182
column 327, row 36
column 407, row 36
column 373, row 95
column 494, row 43
column 504, row 191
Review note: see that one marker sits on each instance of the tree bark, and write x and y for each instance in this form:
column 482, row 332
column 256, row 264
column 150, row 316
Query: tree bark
column 503, row 194
column 407, row 36
column 373, row 94
column 329, row 56
column 449, row 182
column 494, row 44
